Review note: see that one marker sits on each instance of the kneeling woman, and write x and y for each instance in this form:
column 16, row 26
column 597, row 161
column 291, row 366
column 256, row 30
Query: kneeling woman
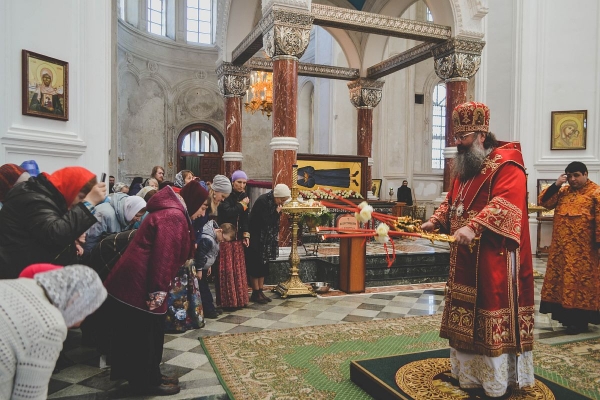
column 138, row 284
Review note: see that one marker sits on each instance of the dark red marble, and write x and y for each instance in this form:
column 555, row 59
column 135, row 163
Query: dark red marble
column 233, row 131
column 365, row 137
column 285, row 103
column 456, row 93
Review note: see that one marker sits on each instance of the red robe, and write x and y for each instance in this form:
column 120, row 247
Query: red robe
column 486, row 311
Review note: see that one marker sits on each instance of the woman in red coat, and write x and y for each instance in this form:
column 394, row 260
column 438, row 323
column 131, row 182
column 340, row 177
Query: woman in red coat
column 139, row 283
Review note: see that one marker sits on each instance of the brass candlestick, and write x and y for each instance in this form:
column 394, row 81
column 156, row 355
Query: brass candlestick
column 294, row 286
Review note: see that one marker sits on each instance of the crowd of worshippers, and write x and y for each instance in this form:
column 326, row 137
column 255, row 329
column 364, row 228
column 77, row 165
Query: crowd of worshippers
column 125, row 263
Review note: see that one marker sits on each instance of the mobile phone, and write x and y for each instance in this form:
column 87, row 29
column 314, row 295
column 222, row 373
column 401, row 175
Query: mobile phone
column 103, row 177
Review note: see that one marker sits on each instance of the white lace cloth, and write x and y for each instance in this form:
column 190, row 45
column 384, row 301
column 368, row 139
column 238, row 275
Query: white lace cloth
column 32, row 332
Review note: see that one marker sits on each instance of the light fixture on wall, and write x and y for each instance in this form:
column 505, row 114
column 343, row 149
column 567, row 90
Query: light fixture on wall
column 259, row 96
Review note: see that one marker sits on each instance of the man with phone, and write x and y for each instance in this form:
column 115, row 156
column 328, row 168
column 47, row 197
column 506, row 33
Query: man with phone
column 571, row 290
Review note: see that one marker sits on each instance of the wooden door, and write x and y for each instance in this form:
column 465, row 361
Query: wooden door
column 210, row 165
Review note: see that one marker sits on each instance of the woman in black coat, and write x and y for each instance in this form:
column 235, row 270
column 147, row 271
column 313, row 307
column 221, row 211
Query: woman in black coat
column 264, row 232
column 42, row 218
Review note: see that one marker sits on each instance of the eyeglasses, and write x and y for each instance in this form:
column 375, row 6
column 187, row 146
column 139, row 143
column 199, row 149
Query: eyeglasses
column 463, row 136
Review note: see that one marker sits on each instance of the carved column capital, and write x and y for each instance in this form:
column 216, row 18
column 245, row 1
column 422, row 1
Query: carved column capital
column 365, row 93
column 233, row 80
column 457, row 59
column 286, row 32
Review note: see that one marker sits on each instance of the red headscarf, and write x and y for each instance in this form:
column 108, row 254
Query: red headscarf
column 69, row 181
column 33, row 269
column 9, row 174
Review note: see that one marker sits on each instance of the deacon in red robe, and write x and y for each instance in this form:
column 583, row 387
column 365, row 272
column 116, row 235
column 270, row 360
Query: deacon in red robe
column 489, row 307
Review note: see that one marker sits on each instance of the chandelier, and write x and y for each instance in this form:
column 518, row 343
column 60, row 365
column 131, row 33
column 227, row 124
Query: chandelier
column 260, row 94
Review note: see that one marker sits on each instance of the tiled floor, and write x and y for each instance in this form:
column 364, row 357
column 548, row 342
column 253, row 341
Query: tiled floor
column 184, row 357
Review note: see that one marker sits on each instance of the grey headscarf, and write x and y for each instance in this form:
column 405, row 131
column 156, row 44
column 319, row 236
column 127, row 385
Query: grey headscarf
column 118, row 186
column 221, row 184
column 179, row 180
column 75, row 290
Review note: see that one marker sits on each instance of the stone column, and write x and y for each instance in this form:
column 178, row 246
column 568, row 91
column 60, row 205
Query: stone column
column 456, row 61
column 233, row 83
column 365, row 94
column 285, row 39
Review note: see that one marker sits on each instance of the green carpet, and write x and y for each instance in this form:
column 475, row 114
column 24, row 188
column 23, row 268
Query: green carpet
column 314, row 362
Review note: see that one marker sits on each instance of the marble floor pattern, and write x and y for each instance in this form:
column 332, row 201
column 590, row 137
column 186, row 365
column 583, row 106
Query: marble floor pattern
column 183, row 356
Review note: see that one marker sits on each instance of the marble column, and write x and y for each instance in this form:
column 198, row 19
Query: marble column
column 365, row 94
column 233, row 82
column 285, row 39
column 455, row 61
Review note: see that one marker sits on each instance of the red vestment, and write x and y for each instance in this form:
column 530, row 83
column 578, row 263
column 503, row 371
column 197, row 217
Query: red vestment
column 487, row 310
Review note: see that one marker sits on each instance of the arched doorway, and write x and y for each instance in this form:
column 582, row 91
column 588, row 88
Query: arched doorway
column 200, row 149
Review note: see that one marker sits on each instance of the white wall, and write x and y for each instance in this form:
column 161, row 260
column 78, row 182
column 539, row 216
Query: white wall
column 78, row 32
column 543, row 56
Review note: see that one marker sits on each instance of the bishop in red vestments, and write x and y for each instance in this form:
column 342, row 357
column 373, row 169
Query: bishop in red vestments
column 489, row 307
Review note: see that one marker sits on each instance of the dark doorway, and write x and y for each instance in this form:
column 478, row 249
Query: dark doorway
column 200, row 149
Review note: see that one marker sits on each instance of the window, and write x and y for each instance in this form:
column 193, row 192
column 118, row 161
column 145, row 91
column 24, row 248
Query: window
column 157, row 17
column 199, row 142
column 199, row 21
column 121, row 9
column 428, row 15
column 438, row 124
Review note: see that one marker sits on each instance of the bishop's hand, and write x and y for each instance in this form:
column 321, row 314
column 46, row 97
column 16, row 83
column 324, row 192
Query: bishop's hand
column 464, row 235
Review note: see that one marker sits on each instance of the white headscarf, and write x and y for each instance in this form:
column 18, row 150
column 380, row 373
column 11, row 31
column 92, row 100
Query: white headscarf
column 133, row 205
column 76, row 291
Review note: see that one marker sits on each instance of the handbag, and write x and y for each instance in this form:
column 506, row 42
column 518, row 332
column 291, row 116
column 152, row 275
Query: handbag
column 184, row 304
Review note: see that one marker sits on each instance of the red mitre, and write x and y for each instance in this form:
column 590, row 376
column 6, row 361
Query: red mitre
column 471, row 117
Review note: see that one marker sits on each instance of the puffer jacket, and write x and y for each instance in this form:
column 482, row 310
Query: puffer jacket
column 111, row 219
column 208, row 247
column 162, row 244
column 37, row 227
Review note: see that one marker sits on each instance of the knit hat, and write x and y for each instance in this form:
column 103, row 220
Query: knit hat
column 133, row 205
column 76, row 291
column 194, row 196
column 31, row 166
column 9, row 173
column 471, row 117
column 221, row 184
column 239, row 174
column 282, row 190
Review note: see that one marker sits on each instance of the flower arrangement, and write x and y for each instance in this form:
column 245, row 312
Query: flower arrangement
column 333, row 194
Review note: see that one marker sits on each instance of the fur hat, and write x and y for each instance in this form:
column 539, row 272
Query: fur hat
column 194, row 196
column 9, row 174
column 471, row 117
column 239, row 174
column 282, row 190
column 76, row 291
column 221, row 184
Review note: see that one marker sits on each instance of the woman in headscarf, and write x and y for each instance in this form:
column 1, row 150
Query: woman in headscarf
column 218, row 191
column 264, row 231
column 42, row 218
column 183, row 177
column 34, row 319
column 184, row 304
column 138, row 285
column 117, row 214
column 233, row 282
column 120, row 187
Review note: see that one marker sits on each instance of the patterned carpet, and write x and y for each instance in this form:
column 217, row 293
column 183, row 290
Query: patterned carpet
column 313, row 362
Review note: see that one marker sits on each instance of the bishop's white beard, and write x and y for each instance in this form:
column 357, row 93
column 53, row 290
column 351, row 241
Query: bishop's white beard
column 468, row 164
